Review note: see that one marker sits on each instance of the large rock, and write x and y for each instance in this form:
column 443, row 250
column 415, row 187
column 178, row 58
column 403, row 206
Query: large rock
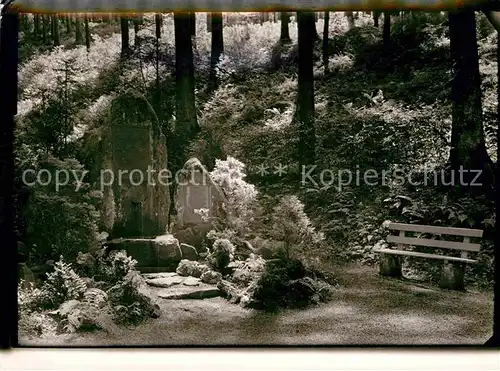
column 133, row 206
column 198, row 200
column 191, row 268
column 211, row 277
column 25, row 274
column 188, row 252
column 165, row 281
column 201, row 291
column 167, row 248
column 142, row 293
column 191, row 281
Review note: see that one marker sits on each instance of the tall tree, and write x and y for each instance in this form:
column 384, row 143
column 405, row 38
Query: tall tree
column 326, row 32
column 68, row 23
column 158, row 24
column 468, row 149
column 217, row 46
column 137, row 23
column 55, row 30
column 376, row 16
column 192, row 24
column 44, row 28
column 285, row 32
column 185, row 109
column 87, row 31
column 125, row 35
column 36, row 26
column 209, row 22
column 78, row 30
column 305, row 93
column 386, row 34
column 350, row 18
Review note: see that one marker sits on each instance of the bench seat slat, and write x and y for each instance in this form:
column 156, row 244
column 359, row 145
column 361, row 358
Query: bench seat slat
column 424, row 255
column 434, row 243
column 464, row 232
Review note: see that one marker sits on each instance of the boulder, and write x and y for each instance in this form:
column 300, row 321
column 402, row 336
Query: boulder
column 191, row 281
column 142, row 293
column 202, row 291
column 242, row 276
column 231, row 292
column 164, row 281
column 188, row 252
column 167, row 248
column 26, row 275
column 211, row 277
column 191, row 268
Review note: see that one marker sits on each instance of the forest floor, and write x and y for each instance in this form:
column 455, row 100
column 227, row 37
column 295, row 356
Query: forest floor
column 366, row 309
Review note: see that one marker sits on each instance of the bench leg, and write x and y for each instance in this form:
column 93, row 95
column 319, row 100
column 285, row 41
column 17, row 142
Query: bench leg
column 390, row 266
column 452, row 276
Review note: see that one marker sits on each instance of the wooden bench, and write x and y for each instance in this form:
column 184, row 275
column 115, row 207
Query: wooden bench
column 452, row 275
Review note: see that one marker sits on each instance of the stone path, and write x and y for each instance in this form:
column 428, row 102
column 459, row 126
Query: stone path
column 172, row 286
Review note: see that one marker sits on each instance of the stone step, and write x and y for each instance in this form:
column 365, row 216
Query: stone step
column 169, row 285
column 203, row 291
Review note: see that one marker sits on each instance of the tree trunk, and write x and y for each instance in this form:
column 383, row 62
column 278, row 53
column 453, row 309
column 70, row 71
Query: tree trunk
column 55, row 30
column 387, row 30
column 68, row 23
column 158, row 24
column 125, row 35
column 285, row 32
column 217, row 47
column 350, row 19
column 87, row 32
column 305, row 95
column 78, row 30
column 192, row 24
column 325, row 41
column 209, row 22
column 36, row 21
column 185, row 108
column 376, row 15
column 137, row 23
column 468, row 148
column 44, row 28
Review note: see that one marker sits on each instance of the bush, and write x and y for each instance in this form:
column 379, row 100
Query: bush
column 61, row 221
column 284, row 285
column 229, row 174
column 63, row 284
column 221, row 254
column 114, row 266
column 132, row 300
column 292, row 225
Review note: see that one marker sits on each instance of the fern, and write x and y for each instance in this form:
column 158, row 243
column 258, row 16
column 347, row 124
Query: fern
column 64, row 283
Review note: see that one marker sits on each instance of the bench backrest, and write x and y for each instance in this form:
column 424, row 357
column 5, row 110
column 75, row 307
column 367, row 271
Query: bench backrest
column 464, row 246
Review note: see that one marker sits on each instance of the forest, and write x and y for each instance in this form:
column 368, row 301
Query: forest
column 315, row 130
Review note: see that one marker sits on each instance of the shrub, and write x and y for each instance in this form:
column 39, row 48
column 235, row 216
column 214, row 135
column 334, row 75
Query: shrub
column 278, row 286
column 63, row 284
column 74, row 315
column 36, row 324
column 229, row 174
column 221, row 254
column 115, row 266
column 131, row 300
column 60, row 221
column 292, row 225
column 31, row 299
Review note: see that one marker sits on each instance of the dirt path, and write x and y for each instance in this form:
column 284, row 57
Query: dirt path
column 367, row 309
